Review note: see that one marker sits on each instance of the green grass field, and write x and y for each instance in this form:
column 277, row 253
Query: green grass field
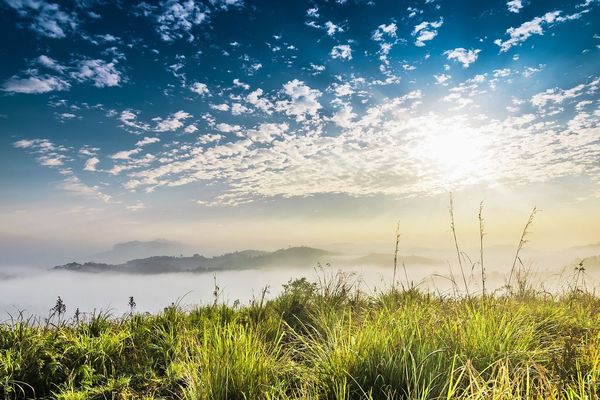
column 317, row 340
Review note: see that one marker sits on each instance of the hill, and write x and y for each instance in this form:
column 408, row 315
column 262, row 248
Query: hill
column 247, row 259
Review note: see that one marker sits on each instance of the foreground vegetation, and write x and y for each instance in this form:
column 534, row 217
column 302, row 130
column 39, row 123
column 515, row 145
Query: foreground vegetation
column 317, row 340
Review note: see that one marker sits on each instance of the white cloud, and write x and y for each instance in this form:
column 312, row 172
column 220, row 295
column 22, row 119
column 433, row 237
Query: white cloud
column 332, row 28
column 190, row 129
column 239, row 109
column 100, row 72
column 35, row 84
column 266, row 133
column 530, row 71
column 46, row 18
column 147, row 140
column 210, row 138
column 42, row 145
column 129, row 163
column 317, row 68
column 442, row 79
column 342, row 51
column 413, row 11
column 284, row 165
column 24, row 144
column 88, row 151
column 426, row 31
column 220, row 107
column 226, row 4
column 74, row 185
column 384, row 30
column 303, row 103
column 343, row 90
column 386, row 36
column 534, row 27
column 241, row 84
column 358, row 161
column 257, row 100
column 463, row 56
column 54, row 160
column 557, row 95
column 313, row 12
column 90, row 164
column 501, row 73
column 108, row 37
column 47, row 153
column 313, row 24
column 583, row 104
column 66, row 116
column 172, row 123
column 125, row 154
column 228, row 128
column 177, row 18
column 200, row 88
column 128, row 118
column 464, row 94
column 253, row 68
column 344, row 117
column 514, row 5
column 50, row 63
column 526, row 30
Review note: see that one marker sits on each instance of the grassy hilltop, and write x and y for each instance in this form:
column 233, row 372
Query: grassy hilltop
column 317, row 340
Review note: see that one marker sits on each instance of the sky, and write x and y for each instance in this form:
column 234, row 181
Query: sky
column 234, row 124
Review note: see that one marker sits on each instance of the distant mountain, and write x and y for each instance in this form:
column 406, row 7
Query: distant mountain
column 290, row 257
column 122, row 252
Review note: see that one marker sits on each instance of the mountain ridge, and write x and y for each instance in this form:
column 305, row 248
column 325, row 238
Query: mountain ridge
column 245, row 259
column 291, row 257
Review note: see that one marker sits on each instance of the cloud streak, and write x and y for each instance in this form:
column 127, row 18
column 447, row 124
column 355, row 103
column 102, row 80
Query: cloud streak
column 533, row 27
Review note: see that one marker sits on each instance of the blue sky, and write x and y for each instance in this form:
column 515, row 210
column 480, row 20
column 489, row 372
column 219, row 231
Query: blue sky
column 127, row 111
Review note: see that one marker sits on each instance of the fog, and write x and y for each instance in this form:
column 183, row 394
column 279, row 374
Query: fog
column 35, row 291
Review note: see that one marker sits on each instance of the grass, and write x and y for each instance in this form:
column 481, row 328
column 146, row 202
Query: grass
column 317, row 340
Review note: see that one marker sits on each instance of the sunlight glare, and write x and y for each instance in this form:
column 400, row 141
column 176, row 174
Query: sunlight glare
column 457, row 153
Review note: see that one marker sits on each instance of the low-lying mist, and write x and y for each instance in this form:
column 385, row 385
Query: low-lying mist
column 35, row 291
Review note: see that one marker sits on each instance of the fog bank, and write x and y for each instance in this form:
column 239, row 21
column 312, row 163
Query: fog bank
column 36, row 291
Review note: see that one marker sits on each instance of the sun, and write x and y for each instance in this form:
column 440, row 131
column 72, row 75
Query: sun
column 455, row 154
column 453, row 149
